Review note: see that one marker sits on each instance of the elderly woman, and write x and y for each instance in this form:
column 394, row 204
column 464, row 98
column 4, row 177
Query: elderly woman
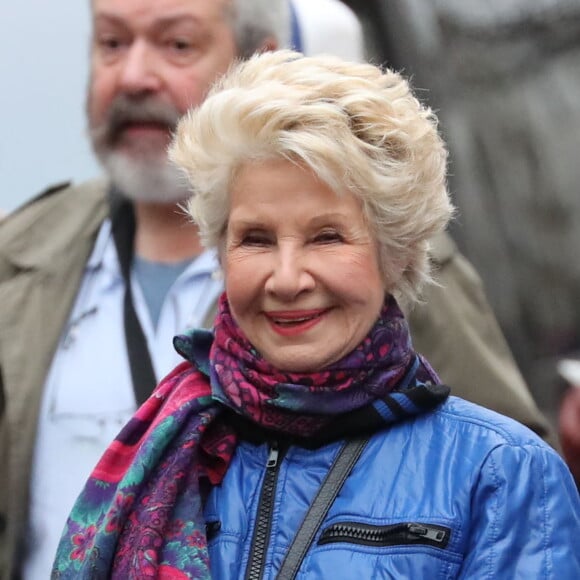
column 305, row 437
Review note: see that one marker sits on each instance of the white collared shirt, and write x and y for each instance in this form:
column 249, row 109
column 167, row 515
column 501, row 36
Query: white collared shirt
column 88, row 394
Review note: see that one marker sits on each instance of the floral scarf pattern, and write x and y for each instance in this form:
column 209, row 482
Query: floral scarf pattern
column 140, row 513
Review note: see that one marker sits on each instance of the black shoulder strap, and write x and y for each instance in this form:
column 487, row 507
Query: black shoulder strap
column 331, row 486
column 142, row 374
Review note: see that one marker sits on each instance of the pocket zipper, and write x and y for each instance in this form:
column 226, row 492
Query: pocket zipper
column 408, row 533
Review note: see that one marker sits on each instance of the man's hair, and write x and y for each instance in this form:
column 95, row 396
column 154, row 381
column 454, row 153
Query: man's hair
column 253, row 21
column 357, row 127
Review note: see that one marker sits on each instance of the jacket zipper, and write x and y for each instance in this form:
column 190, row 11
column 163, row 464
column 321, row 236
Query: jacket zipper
column 263, row 525
column 408, row 533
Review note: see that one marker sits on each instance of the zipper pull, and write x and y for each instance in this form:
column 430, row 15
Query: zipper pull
column 430, row 533
column 273, row 455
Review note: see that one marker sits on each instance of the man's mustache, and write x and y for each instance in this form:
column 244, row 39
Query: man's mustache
column 125, row 111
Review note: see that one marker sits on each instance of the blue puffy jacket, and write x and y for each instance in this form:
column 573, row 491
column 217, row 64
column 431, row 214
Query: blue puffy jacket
column 460, row 492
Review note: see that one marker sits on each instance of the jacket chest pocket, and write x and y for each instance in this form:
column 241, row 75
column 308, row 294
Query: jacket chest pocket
column 407, row 549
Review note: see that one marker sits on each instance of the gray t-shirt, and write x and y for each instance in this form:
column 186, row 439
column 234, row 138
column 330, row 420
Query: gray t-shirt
column 155, row 279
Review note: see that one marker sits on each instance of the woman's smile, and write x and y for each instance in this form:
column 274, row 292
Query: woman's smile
column 294, row 323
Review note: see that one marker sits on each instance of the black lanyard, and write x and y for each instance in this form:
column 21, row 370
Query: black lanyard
column 142, row 374
column 337, row 474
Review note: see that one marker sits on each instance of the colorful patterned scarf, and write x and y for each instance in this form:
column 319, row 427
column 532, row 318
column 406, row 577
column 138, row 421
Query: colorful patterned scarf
column 140, row 514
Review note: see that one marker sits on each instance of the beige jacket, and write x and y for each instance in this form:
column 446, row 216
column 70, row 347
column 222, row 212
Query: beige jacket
column 43, row 249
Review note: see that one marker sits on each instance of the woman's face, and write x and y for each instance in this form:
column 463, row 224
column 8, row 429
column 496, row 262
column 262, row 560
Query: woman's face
column 301, row 267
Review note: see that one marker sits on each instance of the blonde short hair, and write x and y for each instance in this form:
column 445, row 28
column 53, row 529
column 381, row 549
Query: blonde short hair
column 358, row 127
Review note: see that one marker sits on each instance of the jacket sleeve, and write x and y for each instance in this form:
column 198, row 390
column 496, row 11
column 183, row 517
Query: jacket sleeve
column 526, row 517
column 456, row 330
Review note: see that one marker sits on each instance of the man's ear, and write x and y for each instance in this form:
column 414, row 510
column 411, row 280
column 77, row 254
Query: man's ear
column 270, row 43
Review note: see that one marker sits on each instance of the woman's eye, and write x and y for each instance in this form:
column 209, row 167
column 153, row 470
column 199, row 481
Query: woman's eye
column 328, row 237
column 255, row 239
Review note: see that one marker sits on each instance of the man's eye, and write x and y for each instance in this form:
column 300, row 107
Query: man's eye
column 180, row 45
column 109, row 43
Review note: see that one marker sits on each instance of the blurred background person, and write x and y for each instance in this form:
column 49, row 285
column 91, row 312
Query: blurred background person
column 569, row 416
column 569, row 424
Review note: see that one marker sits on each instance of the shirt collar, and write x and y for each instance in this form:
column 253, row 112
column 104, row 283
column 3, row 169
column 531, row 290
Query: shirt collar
column 104, row 255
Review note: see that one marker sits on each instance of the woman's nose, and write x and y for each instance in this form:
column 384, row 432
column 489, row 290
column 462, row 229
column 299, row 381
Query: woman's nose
column 290, row 275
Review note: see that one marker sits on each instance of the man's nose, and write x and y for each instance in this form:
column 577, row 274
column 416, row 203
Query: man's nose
column 290, row 275
column 139, row 73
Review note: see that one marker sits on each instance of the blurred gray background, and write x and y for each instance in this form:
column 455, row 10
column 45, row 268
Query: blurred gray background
column 43, row 67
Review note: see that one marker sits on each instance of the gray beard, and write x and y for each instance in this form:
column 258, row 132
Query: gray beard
column 146, row 180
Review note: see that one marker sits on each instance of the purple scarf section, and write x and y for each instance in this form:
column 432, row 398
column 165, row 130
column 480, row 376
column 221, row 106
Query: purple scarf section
column 302, row 404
